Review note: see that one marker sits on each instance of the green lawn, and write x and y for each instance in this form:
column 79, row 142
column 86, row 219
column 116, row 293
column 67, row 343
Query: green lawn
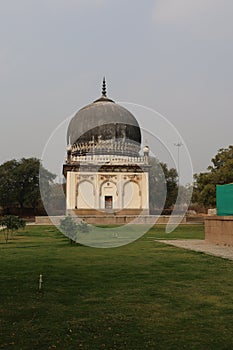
column 145, row 295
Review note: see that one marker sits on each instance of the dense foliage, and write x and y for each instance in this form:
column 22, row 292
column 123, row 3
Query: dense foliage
column 220, row 172
column 162, row 185
column 20, row 183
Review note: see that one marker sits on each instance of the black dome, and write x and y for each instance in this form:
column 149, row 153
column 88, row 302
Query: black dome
column 103, row 118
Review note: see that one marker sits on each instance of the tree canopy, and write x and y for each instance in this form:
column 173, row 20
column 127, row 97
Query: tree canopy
column 10, row 224
column 20, row 182
column 163, row 188
column 219, row 173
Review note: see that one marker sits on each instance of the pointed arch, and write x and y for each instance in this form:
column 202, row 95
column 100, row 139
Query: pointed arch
column 85, row 194
column 131, row 196
column 108, row 191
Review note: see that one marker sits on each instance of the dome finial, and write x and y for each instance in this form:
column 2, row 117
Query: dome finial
column 104, row 93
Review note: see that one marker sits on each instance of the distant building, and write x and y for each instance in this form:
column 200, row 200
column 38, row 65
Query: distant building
column 105, row 173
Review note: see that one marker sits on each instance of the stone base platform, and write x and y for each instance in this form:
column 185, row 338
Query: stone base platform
column 219, row 230
column 109, row 219
column 108, row 212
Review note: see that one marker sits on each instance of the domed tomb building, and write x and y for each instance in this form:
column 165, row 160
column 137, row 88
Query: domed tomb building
column 105, row 173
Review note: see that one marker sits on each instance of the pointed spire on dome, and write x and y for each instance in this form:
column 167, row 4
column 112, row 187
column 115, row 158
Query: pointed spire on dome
column 104, row 97
column 104, row 93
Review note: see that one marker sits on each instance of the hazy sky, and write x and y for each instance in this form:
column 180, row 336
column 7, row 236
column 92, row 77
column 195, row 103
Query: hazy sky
column 174, row 56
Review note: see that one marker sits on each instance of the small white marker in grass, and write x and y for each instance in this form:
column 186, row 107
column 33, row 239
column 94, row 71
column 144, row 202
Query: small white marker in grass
column 40, row 282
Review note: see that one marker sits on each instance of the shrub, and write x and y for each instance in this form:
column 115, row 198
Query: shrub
column 11, row 223
column 69, row 228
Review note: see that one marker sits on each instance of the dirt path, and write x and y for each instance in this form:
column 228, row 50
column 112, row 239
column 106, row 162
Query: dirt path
column 200, row 246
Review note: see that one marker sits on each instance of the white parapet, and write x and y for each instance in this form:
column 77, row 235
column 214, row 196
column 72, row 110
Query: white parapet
column 109, row 159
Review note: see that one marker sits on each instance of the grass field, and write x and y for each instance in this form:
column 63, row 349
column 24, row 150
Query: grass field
column 104, row 236
column 145, row 295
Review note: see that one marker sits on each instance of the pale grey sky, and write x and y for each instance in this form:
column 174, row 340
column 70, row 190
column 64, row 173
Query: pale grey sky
column 174, row 56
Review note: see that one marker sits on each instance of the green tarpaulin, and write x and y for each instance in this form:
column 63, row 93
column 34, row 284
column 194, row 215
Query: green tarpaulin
column 224, row 199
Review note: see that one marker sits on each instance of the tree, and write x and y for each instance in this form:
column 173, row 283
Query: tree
column 11, row 223
column 163, row 186
column 69, row 228
column 7, row 184
column 56, row 203
column 171, row 177
column 83, row 227
column 220, row 172
column 20, row 182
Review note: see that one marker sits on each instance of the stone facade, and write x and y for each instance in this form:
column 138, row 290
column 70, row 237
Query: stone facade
column 99, row 191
